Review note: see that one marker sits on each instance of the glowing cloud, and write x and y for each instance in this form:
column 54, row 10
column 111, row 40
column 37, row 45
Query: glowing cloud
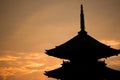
column 14, row 65
column 8, row 58
column 112, row 43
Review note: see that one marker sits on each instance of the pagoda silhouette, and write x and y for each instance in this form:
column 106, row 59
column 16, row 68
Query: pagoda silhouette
column 84, row 54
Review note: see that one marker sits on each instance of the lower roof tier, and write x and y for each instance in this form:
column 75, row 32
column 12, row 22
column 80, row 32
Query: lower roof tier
column 69, row 73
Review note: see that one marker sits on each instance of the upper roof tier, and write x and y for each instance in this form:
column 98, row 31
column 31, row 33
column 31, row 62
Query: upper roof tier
column 82, row 45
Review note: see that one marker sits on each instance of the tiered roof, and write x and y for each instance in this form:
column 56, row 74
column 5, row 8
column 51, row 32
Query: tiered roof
column 83, row 51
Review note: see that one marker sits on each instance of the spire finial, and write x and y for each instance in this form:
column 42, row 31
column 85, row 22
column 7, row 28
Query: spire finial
column 82, row 19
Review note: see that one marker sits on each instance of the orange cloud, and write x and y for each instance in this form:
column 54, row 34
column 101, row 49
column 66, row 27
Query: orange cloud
column 8, row 58
column 14, row 65
column 113, row 62
column 112, row 43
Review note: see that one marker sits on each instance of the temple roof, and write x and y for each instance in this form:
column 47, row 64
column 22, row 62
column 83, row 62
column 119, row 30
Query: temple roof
column 83, row 51
column 66, row 71
column 82, row 45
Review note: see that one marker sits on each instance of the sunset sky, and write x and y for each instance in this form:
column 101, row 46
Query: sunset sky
column 29, row 27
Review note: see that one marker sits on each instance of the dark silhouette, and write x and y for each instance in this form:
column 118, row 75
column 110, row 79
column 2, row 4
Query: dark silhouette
column 83, row 53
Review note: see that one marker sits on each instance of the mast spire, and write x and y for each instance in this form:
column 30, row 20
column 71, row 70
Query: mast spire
column 82, row 19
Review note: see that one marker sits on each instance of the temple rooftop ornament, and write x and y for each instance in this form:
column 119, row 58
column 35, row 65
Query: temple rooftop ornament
column 82, row 19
